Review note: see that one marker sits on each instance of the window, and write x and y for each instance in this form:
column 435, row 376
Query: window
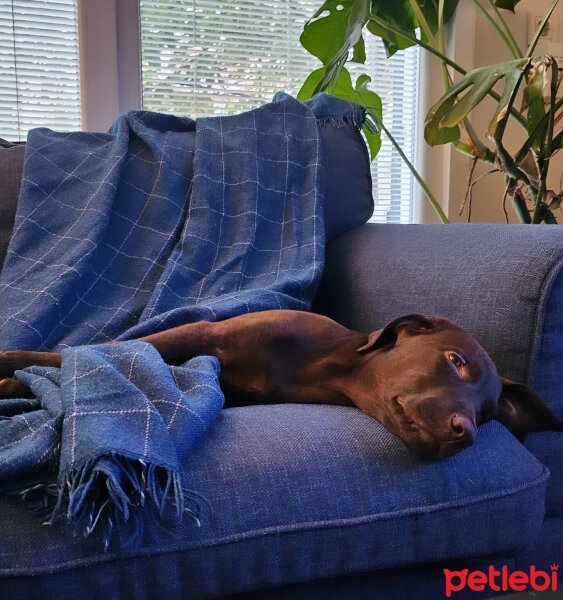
column 205, row 57
column 39, row 83
column 211, row 57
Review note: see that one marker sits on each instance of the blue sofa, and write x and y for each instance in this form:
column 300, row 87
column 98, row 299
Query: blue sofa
column 304, row 501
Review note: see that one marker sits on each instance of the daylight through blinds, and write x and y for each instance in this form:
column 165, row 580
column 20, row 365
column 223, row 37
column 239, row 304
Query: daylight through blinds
column 39, row 82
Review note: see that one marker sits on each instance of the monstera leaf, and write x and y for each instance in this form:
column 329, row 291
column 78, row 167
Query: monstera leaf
column 534, row 101
column 400, row 16
column 506, row 4
column 336, row 26
column 342, row 87
column 443, row 119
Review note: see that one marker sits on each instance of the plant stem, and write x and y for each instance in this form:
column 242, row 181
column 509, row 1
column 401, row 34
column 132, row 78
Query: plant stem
column 503, row 24
column 538, row 209
column 403, row 33
column 514, row 51
column 446, row 77
column 556, row 143
column 429, row 195
column 520, row 208
column 421, row 20
column 398, row 31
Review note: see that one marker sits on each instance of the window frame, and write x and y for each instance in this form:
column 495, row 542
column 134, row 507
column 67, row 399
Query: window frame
column 110, row 60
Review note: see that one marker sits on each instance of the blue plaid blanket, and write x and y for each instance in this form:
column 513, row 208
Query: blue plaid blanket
column 161, row 221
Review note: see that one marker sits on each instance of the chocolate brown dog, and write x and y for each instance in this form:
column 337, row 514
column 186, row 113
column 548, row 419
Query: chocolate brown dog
column 426, row 379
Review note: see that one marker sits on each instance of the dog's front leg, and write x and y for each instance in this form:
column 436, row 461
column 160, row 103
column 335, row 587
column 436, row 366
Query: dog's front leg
column 12, row 388
column 14, row 360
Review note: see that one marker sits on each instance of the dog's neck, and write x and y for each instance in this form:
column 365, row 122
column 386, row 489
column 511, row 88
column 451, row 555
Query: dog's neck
column 342, row 370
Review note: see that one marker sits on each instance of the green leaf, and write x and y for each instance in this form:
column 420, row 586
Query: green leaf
column 309, row 85
column 513, row 78
column 359, row 54
column 373, row 141
column 435, row 133
column 450, row 7
column 399, row 14
column 392, row 42
column 323, row 34
column 506, row 4
column 335, row 28
column 372, row 103
column 453, row 107
column 341, row 87
column 534, row 102
column 359, row 94
column 366, row 97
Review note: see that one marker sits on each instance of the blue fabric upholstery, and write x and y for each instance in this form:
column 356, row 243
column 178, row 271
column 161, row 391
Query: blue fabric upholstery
column 547, row 447
column 548, row 372
column 548, row 548
column 502, row 283
column 347, row 179
column 300, row 492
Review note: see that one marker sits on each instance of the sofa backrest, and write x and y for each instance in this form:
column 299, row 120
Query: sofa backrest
column 11, row 164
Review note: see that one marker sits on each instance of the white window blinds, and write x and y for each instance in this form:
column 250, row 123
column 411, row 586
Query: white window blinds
column 205, row 57
column 39, row 83
column 396, row 80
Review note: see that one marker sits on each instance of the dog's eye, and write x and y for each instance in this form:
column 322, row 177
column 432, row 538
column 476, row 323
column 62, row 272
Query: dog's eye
column 457, row 360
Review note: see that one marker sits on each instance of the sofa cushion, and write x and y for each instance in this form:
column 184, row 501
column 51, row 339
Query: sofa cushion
column 347, row 179
column 293, row 493
column 11, row 163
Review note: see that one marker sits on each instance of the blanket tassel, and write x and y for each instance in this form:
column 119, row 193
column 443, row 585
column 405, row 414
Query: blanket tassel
column 116, row 496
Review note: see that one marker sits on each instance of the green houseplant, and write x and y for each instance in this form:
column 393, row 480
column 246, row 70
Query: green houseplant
column 524, row 90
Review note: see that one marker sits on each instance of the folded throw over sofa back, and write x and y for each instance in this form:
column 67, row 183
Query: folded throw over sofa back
column 347, row 181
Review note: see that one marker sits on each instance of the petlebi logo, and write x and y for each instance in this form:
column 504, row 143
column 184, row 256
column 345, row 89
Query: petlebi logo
column 501, row 580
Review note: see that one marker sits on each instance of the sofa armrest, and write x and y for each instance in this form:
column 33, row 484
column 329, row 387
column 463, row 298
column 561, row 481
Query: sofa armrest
column 503, row 283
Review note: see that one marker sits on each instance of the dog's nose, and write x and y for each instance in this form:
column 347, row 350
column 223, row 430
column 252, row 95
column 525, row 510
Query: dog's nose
column 463, row 428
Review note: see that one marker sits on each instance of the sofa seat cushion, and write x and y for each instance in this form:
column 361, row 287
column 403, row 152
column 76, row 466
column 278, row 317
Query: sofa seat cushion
column 293, row 493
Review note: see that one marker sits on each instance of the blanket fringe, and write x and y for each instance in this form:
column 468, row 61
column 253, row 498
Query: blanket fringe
column 116, row 496
column 354, row 118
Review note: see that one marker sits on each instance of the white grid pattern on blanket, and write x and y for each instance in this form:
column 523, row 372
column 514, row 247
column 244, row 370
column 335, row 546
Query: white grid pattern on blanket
column 137, row 268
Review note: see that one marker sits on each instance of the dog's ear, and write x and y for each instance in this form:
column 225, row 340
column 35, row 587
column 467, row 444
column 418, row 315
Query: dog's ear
column 386, row 337
column 521, row 410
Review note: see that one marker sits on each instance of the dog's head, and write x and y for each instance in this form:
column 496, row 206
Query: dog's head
column 433, row 385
